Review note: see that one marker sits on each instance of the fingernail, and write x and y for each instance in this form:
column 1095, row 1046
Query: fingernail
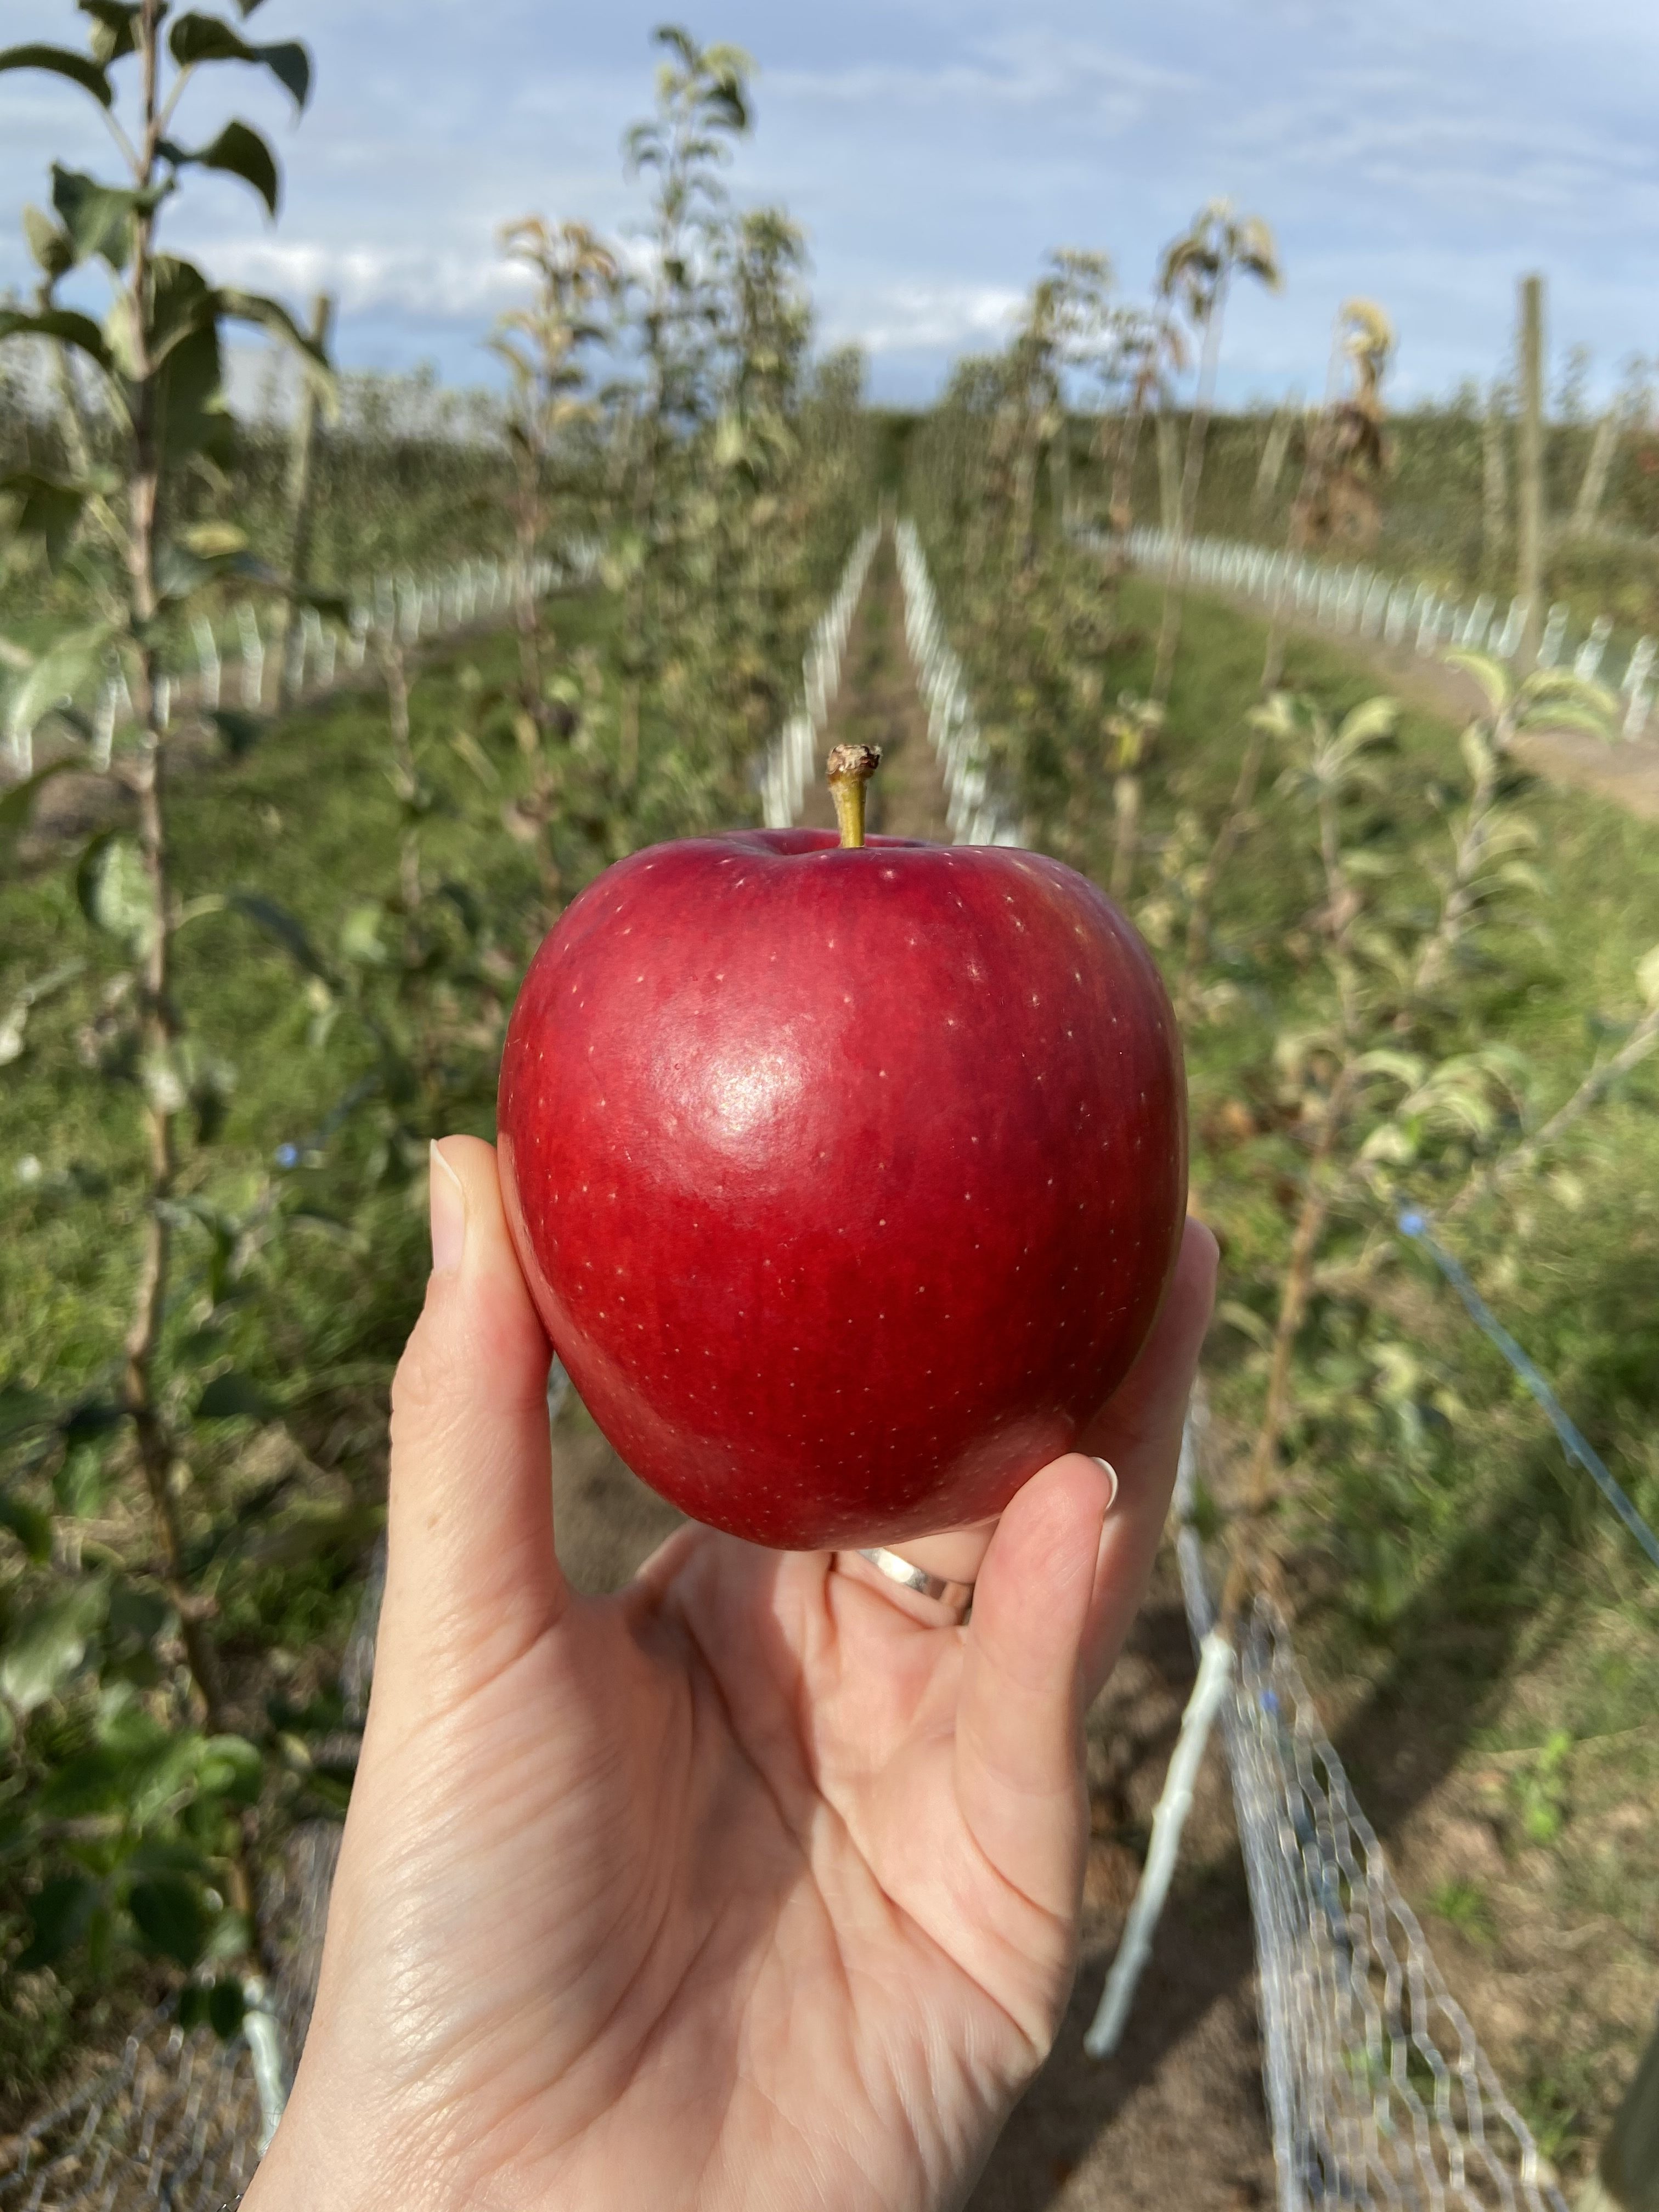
column 1111, row 1476
column 448, row 1215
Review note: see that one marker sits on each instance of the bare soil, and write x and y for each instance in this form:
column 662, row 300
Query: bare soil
column 1625, row 772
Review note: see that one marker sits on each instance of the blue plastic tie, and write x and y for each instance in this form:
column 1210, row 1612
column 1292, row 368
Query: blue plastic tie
column 1414, row 1225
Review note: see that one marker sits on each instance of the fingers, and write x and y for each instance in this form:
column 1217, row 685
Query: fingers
column 471, row 1578
column 1019, row 1723
column 1138, row 1436
column 1140, row 1433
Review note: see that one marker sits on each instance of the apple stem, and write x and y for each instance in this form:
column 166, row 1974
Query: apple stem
column 851, row 768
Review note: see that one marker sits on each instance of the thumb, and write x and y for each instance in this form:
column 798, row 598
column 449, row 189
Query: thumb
column 472, row 1580
column 1019, row 1723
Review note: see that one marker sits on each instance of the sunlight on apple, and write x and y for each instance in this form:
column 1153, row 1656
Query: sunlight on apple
column 745, row 1092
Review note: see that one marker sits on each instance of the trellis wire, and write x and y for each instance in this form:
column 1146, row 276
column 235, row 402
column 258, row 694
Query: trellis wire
column 1360, row 601
column 1414, row 1223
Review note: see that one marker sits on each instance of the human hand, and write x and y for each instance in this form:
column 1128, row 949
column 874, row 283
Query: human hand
column 757, row 1885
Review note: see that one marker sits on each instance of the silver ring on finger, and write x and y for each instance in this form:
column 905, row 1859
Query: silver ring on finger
column 957, row 1598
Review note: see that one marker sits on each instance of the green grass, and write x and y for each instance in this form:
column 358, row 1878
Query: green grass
column 1465, row 1905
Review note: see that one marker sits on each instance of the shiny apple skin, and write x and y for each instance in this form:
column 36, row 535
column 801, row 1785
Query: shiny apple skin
column 847, row 1183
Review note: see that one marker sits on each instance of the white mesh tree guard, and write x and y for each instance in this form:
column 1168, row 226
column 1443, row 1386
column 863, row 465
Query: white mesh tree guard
column 1378, row 2091
column 176, row 2122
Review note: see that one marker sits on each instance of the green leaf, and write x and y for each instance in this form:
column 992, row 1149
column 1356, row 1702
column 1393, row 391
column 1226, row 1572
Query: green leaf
column 240, row 151
column 58, row 61
column 94, row 1781
column 48, row 507
column 233, row 1397
column 92, row 1417
column 1372, row 719
column 54, row 256
column 98, row 219
column 29, row 1524
column 60, row 672
column 209, row 39
column 63, row 325
column 43, row 1654
column 17, row 805
column 192, row 415
column 360, row 935
column 22, row 1412
column 1246, row 1322
column 1491, row 675
column 232, row 1768
column 288, row 929
column 239, row 731
column 227, row 2004
column 116, row 893
column 171, row 1916
column 136, row 1615
column 270, row 315
column 193, row 2006
column 113, row 40
column 59, row 1917
column 310, row 1532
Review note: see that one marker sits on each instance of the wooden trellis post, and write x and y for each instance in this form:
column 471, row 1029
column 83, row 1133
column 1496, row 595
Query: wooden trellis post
column 1529, row 501
column 1594, row 488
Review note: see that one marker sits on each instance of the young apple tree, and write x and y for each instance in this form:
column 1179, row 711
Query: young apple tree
column 153, row 1821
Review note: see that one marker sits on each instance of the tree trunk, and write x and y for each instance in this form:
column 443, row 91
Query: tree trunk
column 1168, row 475
column 1530, row 505
column 1273, row 462
column 1594, row 488
column 302, row 504
column 1197, row 426
column 1120, row 513
column 1125, row 807
column 1060, row 474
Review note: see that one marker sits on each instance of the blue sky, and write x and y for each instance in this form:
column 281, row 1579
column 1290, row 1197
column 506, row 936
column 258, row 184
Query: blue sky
column 1422, row 152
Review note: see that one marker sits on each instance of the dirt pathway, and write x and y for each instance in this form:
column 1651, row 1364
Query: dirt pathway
column 880, row 706
column 1625, row 772
column 1177, row 2120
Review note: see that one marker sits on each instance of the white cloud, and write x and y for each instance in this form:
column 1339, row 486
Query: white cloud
column 924, row 317
column 1424, row 152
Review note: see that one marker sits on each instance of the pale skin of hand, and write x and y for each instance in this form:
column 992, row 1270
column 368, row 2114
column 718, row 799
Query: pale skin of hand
column 755, row 1886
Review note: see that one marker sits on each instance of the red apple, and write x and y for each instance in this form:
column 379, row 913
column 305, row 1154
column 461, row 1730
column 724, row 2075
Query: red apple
column 848, row 1183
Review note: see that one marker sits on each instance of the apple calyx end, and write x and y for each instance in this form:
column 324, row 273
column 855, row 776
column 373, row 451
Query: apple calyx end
column 850, row 769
